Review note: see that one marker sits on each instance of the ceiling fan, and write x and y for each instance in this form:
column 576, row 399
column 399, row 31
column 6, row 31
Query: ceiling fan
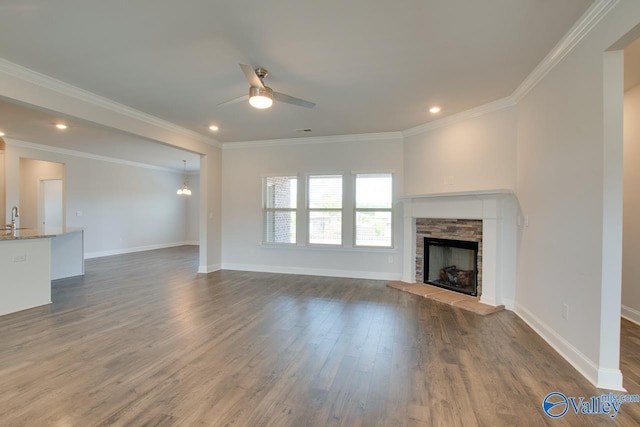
column 261, row 96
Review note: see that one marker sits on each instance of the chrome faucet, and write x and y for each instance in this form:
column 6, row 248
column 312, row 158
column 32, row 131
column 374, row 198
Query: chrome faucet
column 14, row 214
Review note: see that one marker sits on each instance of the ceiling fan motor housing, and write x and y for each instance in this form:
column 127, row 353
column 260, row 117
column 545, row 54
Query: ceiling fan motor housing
column 261, row 72
column 258, row 91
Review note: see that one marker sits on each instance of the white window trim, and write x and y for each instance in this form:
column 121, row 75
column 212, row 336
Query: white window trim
column 308, row 211
column 356, row 209
column 348, row 213
column 265, row 209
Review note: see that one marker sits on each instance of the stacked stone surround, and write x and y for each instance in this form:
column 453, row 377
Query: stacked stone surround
column 469, row 230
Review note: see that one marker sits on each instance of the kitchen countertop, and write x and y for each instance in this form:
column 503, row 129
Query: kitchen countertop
column 36, row 233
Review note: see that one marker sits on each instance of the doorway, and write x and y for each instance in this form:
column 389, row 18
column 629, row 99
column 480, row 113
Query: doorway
column 42, row 198
column 50, row 206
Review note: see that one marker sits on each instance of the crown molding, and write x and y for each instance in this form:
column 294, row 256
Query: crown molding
column 313, row 140
column 460, row 117
column 74, row 153
column 47, row 82
column 580, row 29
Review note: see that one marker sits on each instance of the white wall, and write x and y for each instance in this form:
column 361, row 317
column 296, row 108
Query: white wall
column 243, row 169
column 475, row 154
column 562, row 157
column 631, row 236
column 124, row 208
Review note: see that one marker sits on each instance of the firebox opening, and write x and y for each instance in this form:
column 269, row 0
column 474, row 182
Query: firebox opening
column 451, row 264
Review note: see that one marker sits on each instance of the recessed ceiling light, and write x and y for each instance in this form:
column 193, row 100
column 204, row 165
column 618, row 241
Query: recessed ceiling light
column 214, row 128
column 434, row 110
column 61, row 126
column 1, row 134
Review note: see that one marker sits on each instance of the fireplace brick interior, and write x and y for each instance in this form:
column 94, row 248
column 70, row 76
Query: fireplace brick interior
column 456, row 229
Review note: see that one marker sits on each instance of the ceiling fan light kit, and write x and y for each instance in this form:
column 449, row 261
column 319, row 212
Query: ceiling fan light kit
column 260, row 97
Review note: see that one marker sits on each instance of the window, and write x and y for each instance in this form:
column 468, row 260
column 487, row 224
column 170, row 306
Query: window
column 325, row 209
column 279, row 206
column 373, row 209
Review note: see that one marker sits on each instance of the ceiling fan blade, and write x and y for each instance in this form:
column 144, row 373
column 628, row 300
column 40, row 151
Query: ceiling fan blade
column 235, row 100
column 292, row 100
column 251, row 76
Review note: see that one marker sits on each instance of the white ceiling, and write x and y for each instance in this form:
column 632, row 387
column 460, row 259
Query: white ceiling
column 371, row 66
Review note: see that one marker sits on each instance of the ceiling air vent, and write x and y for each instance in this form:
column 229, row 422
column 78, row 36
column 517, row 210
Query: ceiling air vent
column 303, row 130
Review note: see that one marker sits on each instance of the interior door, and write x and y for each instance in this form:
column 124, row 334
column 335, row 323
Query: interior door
column 52, row 203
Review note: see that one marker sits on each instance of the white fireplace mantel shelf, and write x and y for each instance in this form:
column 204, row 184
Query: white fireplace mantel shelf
column 478, row 193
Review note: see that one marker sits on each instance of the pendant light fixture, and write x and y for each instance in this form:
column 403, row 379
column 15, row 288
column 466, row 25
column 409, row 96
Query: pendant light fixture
column 184, row 190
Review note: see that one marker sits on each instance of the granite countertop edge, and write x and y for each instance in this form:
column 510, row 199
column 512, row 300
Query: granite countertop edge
column 31, row 233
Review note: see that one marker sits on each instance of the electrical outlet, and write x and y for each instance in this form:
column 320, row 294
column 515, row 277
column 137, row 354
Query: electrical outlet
column 390, row 259
column 78, row 213
column 565, row 311
column 526, row 220
column 20, row 258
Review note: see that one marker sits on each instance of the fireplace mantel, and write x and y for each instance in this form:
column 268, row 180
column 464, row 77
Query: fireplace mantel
column 478, row 193
column 498, row 211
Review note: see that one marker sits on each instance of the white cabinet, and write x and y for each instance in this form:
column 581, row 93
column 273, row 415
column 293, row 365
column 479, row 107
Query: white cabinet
column 25, row 274
column 30, row 260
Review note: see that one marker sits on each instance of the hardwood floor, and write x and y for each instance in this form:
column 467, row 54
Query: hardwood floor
column 142, row 340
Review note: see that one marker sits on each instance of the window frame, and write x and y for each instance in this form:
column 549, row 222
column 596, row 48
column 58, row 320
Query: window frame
column 266, row 210
column 309, row 209
column 356, row 210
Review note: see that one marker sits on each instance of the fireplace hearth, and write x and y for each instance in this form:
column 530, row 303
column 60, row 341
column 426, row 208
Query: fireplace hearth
column 451, row 264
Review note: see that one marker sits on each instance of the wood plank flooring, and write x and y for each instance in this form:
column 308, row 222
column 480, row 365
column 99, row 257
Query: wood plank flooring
column 142, row 340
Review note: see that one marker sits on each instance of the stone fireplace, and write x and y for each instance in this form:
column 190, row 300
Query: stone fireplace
column 484, row 218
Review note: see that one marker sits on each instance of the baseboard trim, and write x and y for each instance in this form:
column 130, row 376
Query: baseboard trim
column 632, row 315
column 509, row 304
column 350, row 274
column 582, row 363
column 121, row 251
column 206, row 269
column 610, row 379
